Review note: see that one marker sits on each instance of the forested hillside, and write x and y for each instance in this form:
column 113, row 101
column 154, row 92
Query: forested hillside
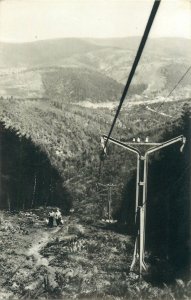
column 79, row 84
column 71, row 137
column 27, row 178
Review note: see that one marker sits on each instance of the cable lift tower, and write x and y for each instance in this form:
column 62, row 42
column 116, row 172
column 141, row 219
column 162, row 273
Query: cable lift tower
column 141, row 188
column 108, row 187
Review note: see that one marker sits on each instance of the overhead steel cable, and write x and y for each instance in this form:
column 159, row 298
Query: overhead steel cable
column 135, row 63
column 182, row 77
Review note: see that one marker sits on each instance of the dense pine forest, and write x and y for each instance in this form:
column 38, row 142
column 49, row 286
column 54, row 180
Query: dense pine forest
column 69, row 137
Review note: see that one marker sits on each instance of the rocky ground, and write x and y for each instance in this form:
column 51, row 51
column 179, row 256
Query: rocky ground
column 73, row 261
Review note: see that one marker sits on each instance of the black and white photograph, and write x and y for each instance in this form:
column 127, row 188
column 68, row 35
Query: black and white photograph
column 95, row 149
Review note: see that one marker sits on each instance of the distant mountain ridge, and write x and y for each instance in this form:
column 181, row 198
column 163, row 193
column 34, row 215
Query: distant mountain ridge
column 53, row 51
column 41, row 53
column 162, row 46
column 25, row 67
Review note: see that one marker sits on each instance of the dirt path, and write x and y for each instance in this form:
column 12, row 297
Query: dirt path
column 36, row 247
column 24, row 270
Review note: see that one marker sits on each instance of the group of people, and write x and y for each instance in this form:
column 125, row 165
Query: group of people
column 55, row 218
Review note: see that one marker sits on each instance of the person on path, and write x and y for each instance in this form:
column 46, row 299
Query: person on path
column 58, row 217
column 51, row 219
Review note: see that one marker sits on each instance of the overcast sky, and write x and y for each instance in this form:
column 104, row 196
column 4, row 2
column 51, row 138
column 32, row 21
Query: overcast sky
column 29, row 20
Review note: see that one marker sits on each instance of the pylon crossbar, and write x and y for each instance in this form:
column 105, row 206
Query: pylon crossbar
column 143, row 144
column 123, row 145
column 180, row 138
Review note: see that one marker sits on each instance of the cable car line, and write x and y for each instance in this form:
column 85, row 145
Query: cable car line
column 142, row 158
column 135, row 63
column 182, row 77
